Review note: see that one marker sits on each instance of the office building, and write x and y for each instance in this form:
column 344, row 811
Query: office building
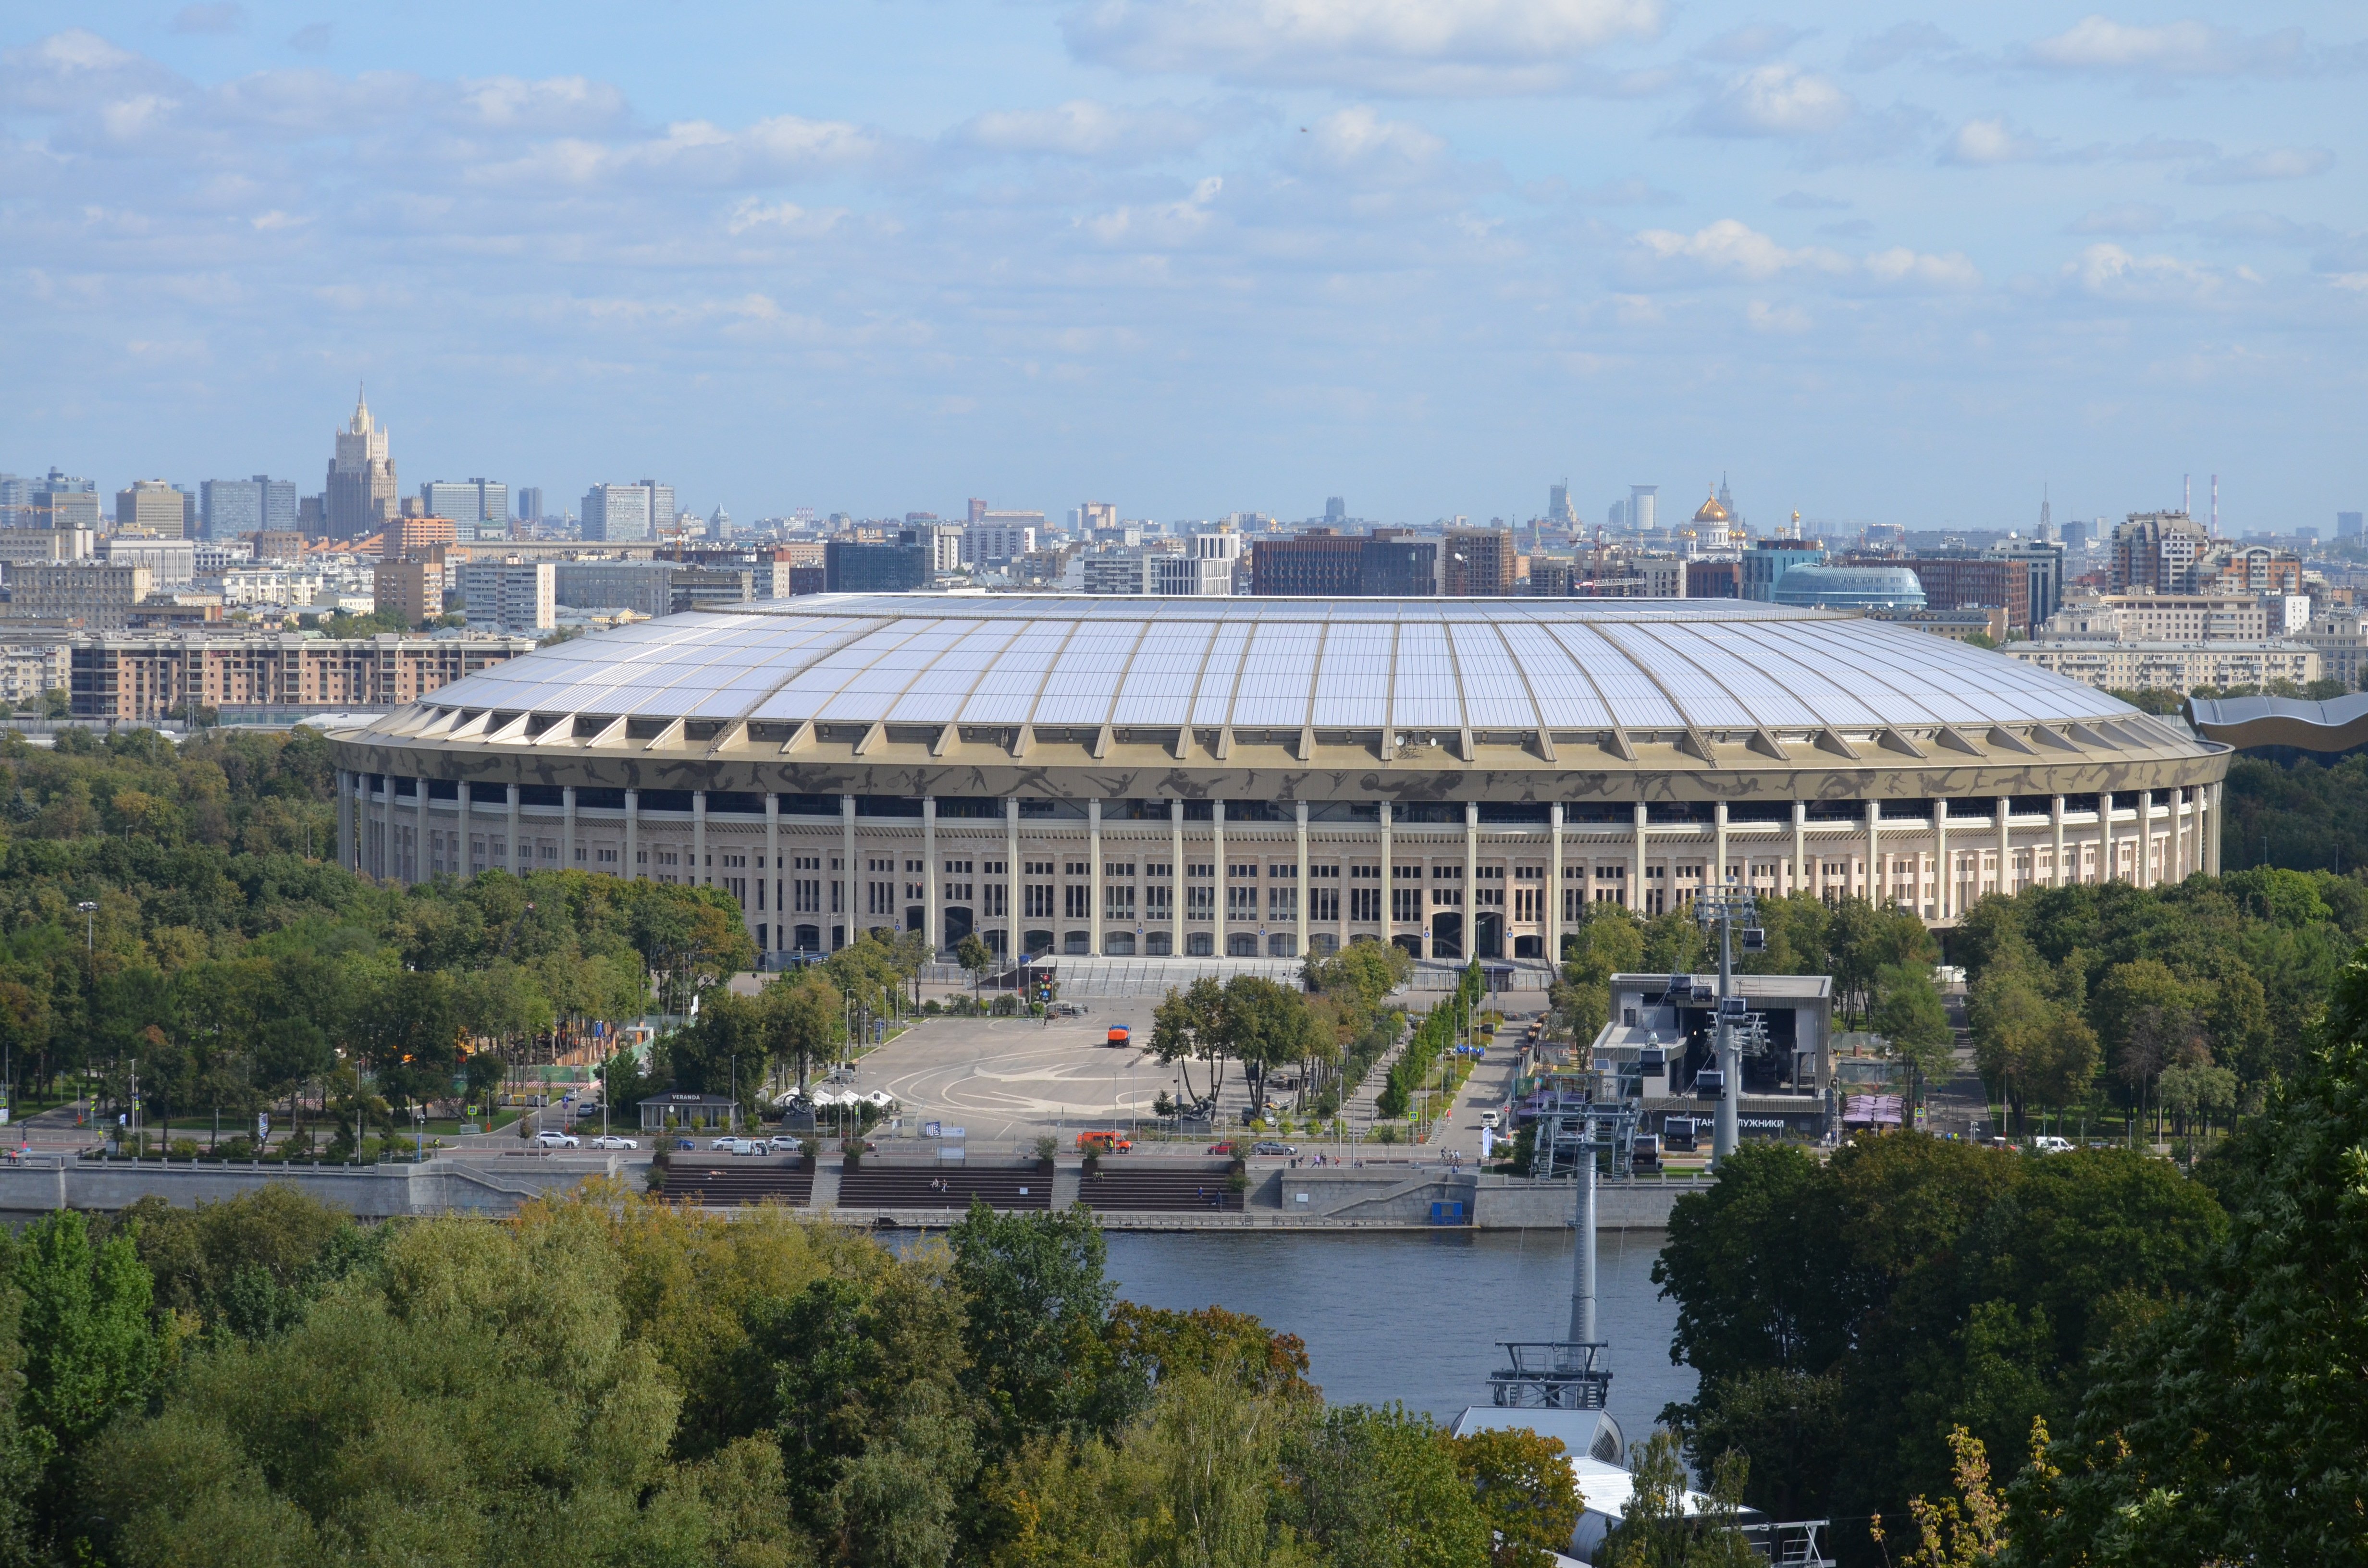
column 2347, row 525
column 171, row 563
column 1321, row 563
column 1558, row 511
column 2157, row 552
column 850, row 568
column 1335, row 511
column 529, row 503
column 62, row 501
column 15, row 501
column 154, row 508
column 1764, row 563
column 1644, row 507
column 412, row 589
column 1477, row 564
column 84, row 594
column 27, row 547
column 230, row 508
column 479, row 507
column 1276, row 777
column 362, row 493
column 513, row 597
column 628, row 514
column 410, row 536
column 278, row 502
column 1706, row 579
column 709, row 587
column 990, row 546
column 645, row 588
column 1114, row 571
column 1093, row 515
column 143, row 677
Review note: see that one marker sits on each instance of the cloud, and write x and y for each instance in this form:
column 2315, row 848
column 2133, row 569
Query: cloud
column 1163, row 226
column 698, row 153
column 1358, row 147
column 1906, row 42
column 1808, row 201
column 1904, row 268
column 73, row 69
column 2269, row 164
column 1761, row 316
column 1450, row 47
column 752, row 216
column 2124, row 218
column 1780, row 100
column 1084, row 129
column 1749, row 45
column 2110, row 271
column 1980, row 144
column 2098, row 45
column 1737, row 250
column 225, row 17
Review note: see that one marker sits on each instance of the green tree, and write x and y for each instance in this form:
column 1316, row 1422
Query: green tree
column 1038, row 1298
column 1528, row 1496
column 1908, row 1012
column 1189, row 1025
column 1661, row 1530
column 804, row 1022
column 88, row 1352
column 1381, row 1487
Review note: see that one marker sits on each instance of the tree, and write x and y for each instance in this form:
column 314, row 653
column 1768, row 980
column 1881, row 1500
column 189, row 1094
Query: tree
column 1527, row 1494
column 1908, row 1012
column 1038, row 1298
column 87, row 1351
column 1264, row 1025
column 803, row 1022
column 1190, row 1024
column 974, row 956
column 1658, row 1531
column 1379, row 1487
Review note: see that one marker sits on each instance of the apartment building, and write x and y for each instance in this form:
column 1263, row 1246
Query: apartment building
column 148, row 676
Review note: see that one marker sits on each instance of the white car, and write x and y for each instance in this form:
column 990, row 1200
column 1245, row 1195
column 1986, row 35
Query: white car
column 610, row 1141
column 739, row 1145
column 783, row 1143
column 2050, row 1145
column 557, row 1141
column 1487, row 1119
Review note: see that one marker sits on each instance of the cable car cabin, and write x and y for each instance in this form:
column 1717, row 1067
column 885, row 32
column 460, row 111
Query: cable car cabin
column 1646, row 1153
column 1677, row 1135
column 1118, row 1036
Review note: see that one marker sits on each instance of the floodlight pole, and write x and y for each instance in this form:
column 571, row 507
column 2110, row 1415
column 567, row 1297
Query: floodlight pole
column 1721, row 908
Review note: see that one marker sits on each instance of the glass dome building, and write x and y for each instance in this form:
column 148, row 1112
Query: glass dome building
column 1849, row 587
column 1149, row 778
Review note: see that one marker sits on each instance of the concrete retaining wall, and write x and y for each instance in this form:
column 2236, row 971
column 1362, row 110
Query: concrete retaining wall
column 373, row 1192
column 1355, row 1196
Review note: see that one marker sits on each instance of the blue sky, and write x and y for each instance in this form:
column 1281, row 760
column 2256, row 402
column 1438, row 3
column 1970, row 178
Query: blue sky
column 1200, row 256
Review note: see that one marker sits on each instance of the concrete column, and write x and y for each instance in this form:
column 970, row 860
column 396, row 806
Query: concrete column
column 386, row 863
column 932, row 922
column 1554, row 882
column 1722, row 871
column 1875, row 867
column 2146, row 877
column 633, row 835
column 513, row 830
column 345, row 818
column 419, row 834
column 1389, row 881
column 2005, row 844
column 1637, row 868
column 567, row 828
column 1010, row 877
column 1176, row 877
column 1224, row 884
column 699, row 871
column 1800, row 846
column 772, row 878
column 1094, row 868
column 1946, row 868
column 846, row 863
column 2212, row 793
column 2056, row 832
column 1472, row 880
column 1305, row 892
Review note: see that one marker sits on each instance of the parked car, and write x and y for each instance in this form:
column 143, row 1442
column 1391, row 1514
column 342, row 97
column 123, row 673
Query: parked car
column 739, row 1145
column 1270, row 1147
column 1487, row 1119
column 783, row 1143
column 2050, row 1145
column 1224, row 1149
column 1104, row 1143
column 610, row 1141
column 549, row 1139
column 1064, row 1010
column 725, row 1142
column 684, row 1143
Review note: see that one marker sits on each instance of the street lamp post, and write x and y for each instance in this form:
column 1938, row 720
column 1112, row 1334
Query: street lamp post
column 89, row 925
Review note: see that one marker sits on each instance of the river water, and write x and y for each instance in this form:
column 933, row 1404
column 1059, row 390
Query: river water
column 1416, row 1316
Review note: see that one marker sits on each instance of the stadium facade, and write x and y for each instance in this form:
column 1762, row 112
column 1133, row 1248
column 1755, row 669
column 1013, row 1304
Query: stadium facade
column 1272, row 777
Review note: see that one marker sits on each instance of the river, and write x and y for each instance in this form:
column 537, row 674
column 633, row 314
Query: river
column 1416, row 1316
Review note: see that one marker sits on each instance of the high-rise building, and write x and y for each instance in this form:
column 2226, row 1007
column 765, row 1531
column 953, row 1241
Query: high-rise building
column 1558, row 505
column 851, row 568
column 475, row 505
column 624, row 514
column 361, row 494
column 1092, row 515
column 2157, row 552
column 1644, row 507
column 989, row 545
column 229, row 508
column 60, row 501
column 508, row 595
column 1478, row 563
column 2347, row 525
column 529, row 503
column 1764, row 563
column 152, row 507
column 977, row 511
column 406, row 537
column 1321, row 563
column 15, row 501
column 1336, row 510
column 278, row 502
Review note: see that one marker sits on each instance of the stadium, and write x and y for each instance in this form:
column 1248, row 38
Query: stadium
column 1267, row 778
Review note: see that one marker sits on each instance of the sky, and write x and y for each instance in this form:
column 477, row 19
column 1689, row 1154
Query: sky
column 1195, row 256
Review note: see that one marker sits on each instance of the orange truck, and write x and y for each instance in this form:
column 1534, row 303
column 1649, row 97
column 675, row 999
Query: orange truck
column 1118, row 1036
column 1103, row 1144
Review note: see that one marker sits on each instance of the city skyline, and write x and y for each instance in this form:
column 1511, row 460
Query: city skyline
column 1205, row 258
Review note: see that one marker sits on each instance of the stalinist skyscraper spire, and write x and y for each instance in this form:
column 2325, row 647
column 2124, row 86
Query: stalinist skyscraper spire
column 361, row 494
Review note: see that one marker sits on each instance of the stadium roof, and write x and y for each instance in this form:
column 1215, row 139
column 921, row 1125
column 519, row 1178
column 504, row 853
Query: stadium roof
column 1402, row 664
column 2338, row 724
